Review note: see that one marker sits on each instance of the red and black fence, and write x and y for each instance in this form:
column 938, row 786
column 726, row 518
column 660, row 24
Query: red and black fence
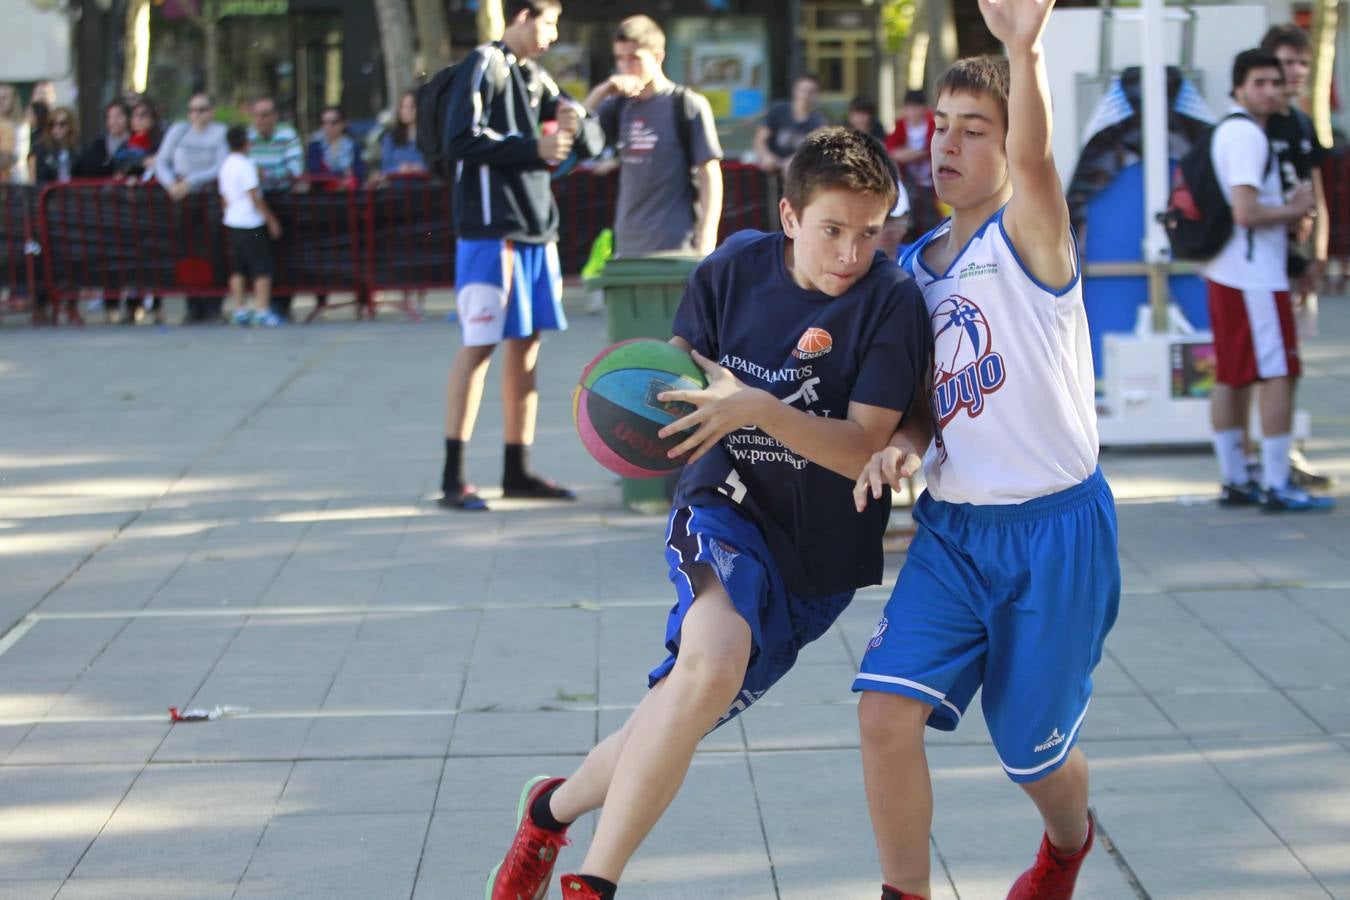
column 108, row 237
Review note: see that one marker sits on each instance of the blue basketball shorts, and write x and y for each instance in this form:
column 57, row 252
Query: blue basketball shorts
column 781, row 622
column 1017, row 599
column 507, row 289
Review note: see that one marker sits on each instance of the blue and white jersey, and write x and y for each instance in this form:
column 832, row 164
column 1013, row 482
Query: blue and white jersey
column 818, row 354
column 1013, row 389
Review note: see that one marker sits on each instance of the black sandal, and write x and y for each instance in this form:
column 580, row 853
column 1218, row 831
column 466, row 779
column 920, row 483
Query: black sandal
column 537, row 489
column 465, row 499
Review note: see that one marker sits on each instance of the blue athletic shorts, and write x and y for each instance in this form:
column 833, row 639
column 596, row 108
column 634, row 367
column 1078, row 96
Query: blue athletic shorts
column 1016, row 598
column 781, row 623
column 507, row 289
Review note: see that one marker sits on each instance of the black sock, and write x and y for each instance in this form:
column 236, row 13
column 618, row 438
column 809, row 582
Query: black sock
column 516, row 468
column 892, row 893
column 606, row 889
column 452, row 479
column 541, row 815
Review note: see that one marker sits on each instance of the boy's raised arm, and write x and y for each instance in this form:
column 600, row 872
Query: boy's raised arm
column 1037, row 218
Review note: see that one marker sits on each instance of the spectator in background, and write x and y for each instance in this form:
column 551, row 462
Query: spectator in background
column 145, row 137
column 98, row 159
column 99, row 156
column 189, row 161
column 11, row 120
column 398, row 145
column 250, row 228
column 787, row 124
column 54, row 148
column 399, row 156
column 333, row 153
column 910, row 145
column 276, row 149
column 862, row 116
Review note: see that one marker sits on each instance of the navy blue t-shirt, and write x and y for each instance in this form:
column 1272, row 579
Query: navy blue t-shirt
column 818, row 353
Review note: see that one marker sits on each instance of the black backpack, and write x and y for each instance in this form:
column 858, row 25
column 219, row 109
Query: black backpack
column 433, row 98
column 1198, row 219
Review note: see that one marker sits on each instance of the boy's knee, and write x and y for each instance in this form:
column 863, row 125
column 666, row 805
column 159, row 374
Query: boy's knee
column 891, row 719
column 711, row 676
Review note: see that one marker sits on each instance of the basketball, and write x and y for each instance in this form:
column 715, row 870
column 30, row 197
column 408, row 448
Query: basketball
column 616, row 410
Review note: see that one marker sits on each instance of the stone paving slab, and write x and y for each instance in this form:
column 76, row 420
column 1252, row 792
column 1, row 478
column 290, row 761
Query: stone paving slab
column 254, row 528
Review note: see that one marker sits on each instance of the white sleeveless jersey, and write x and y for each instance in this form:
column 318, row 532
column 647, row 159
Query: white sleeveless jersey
column 1013, row 395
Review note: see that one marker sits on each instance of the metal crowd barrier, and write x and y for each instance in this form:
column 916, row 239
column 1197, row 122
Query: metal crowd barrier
column 112, row 236
column 1336, row 184
column 19, row 249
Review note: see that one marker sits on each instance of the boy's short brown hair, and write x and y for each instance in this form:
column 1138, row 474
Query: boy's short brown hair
column 1288, row 35
column 643, row 31
column 839, row 157
column 982, row 76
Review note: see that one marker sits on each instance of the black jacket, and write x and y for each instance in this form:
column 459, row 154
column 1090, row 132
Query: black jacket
column 501, row 186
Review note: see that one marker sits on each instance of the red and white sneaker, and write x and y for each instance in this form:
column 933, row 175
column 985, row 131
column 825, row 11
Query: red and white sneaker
column 574, row 888
column 525, row 872
column 1053, row 874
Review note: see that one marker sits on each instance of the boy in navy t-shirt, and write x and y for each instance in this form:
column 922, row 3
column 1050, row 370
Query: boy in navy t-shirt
column 814, row 346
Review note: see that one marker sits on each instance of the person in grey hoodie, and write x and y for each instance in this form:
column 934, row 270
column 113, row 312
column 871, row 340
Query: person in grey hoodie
column 188, row 161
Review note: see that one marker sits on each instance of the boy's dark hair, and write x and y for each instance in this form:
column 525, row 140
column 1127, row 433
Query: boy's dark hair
column 806, row 76
column 513, row 8
column 1255, row 58
column 915, row 97
column 1287, row 35
column 643, row 31
column 839, row 157
column 236, row 136
column 863, row 104
column 982, row 76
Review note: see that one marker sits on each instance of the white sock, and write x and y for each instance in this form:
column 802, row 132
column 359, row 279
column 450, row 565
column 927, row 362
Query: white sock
column 1275, row 460
column 1232, row 462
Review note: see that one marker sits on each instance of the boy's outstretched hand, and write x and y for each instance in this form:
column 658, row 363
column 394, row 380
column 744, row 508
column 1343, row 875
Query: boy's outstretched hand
column 1017, row 24
column 888, row 466
column 725, row 405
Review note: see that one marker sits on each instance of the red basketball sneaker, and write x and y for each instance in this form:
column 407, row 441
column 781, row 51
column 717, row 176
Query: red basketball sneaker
column 575, row 889
column 525, row 872
column 1053, row 874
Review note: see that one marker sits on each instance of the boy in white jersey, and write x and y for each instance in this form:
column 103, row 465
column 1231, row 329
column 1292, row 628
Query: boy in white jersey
column 1013, row 579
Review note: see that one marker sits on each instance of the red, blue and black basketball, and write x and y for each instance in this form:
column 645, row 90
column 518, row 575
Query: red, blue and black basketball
column 616, row 409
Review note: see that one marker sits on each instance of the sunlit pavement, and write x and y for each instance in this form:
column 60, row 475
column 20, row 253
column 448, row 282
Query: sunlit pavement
column 235, row 518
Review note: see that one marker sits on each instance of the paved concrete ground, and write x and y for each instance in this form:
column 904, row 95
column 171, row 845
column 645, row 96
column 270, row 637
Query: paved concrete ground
column 202, row 517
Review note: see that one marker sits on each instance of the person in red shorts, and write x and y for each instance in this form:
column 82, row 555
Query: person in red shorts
column 1249, row 308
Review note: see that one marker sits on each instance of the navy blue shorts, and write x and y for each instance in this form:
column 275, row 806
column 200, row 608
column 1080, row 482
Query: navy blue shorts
column 781, row 622
column 1017, row 598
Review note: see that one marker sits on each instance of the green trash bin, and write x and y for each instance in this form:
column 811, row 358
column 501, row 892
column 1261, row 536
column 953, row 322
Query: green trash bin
column 641, row 295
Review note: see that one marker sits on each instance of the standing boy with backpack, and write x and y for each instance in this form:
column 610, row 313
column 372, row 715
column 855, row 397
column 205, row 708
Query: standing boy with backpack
column 1250, row 313
column 662, row 131
column 482, row 122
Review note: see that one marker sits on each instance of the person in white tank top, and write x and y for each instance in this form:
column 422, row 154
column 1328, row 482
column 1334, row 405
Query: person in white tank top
column 1014, row 570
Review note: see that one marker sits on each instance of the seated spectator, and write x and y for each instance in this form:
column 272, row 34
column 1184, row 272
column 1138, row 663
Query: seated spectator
column 910, row 146
column 862, row 115
column 97, row 158
column 11, row 118
column 333, row 153
column 54, row 144
column 398, row 145
column 138, row 156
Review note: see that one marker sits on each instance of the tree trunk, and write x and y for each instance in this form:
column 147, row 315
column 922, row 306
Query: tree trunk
column 433, row 35
column 396, row 46
column 135, row 52
column 1325, row 19
column 211, row 32
column 491, row 20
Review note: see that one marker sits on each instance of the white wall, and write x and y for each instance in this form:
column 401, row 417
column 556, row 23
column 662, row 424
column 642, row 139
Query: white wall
column 34, row 45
